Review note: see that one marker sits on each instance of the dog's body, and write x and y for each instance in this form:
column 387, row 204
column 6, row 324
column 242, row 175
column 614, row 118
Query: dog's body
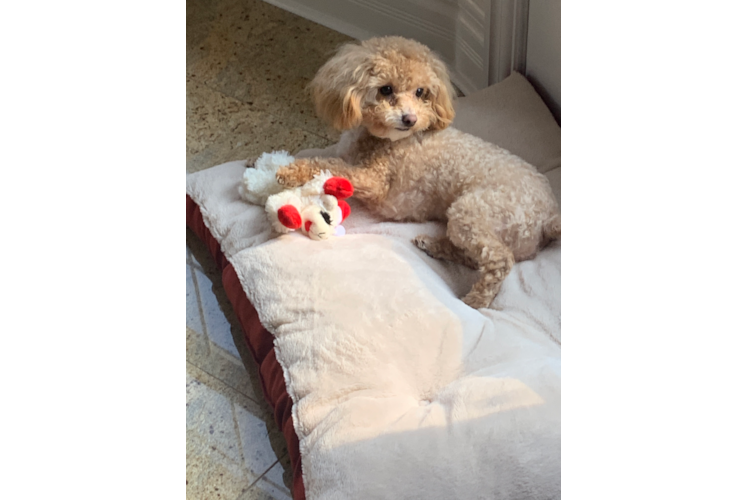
column 498, row 208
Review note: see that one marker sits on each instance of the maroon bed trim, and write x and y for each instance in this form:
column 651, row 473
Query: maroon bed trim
column 259, row 342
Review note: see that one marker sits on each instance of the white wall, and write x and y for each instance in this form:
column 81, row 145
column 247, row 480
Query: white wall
column 456, row 29
column 481, row 41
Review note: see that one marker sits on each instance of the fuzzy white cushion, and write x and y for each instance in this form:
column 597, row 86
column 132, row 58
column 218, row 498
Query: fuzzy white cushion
column 400, row 390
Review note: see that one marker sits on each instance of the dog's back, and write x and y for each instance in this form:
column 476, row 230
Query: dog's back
column 430, row 171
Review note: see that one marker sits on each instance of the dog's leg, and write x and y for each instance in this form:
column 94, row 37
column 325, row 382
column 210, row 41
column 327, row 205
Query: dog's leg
column 495, row 260
column 472, row 228
column 495, row 265
column 369, row 183
column 300, row 171
column 444, row 249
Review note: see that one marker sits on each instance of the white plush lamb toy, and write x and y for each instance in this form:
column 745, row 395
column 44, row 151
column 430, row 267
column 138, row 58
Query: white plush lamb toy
column 317, row 208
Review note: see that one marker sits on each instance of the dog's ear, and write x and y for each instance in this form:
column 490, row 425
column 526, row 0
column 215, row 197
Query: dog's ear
column 441, row 103
column 340, row 86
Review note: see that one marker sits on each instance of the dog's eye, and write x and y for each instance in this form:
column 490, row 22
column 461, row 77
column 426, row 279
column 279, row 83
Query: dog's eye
column 386, row 90
column 419, row 92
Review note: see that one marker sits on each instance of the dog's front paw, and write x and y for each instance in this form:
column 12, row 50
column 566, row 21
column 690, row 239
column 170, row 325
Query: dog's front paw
column 424, row 243
column 293, row 175
column 286, row 177
column 477, row 300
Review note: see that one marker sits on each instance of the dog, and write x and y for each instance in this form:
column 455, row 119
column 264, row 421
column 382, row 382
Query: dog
column 393, row 100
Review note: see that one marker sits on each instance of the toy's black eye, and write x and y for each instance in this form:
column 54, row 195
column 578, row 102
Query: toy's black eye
column 386, row 90
column 419, row 92
column 327, row 218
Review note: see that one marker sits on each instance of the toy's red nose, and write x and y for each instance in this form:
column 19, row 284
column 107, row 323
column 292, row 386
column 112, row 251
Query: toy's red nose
column 338, row 187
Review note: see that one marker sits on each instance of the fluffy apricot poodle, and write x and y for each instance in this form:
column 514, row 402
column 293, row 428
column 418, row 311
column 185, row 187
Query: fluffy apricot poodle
column 393, row 98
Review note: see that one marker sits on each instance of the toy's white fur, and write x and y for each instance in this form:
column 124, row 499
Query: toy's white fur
column 259, row 182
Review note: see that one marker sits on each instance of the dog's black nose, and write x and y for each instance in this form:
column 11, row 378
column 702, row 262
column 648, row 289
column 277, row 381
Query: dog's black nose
column 409, row 120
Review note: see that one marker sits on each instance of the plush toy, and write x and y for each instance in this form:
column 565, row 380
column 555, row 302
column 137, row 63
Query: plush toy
column 317, row 208
column 259, row 182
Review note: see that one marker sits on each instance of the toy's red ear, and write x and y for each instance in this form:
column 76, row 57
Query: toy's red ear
column 289, row 217
column 307, row 225
column 345, row 208
column 338, row 187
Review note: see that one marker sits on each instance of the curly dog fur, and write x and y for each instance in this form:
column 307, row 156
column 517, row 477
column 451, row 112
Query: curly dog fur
column 393, row 97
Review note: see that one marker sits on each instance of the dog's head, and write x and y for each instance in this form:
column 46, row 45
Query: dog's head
column 393, row 86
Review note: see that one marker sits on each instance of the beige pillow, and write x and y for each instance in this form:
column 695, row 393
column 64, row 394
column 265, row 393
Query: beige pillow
column 512, row 115
column 554, row 177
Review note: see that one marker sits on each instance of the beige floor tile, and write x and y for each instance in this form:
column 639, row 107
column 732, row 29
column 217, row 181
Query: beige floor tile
column 214, row 336
column 194, row 318
column 215, row 314
column 269, row 487
column 224, row 26
column 199, row 256
column 277, row 480
column 264, row 57
column 221, row 129
column 228, row 447
column 228, row 369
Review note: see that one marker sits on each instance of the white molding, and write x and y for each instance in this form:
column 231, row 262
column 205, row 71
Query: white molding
column 400, row 15
column 326, row 19
column 519, row 35
column 508, row 40
column 471, row 31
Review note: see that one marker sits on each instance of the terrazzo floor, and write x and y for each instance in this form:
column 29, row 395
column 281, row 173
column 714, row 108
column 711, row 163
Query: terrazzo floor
column 248, row 64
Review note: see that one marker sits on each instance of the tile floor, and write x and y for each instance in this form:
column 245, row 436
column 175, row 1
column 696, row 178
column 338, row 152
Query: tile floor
column 247, row 66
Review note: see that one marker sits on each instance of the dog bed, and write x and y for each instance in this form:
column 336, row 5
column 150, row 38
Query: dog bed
column 383, row 382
